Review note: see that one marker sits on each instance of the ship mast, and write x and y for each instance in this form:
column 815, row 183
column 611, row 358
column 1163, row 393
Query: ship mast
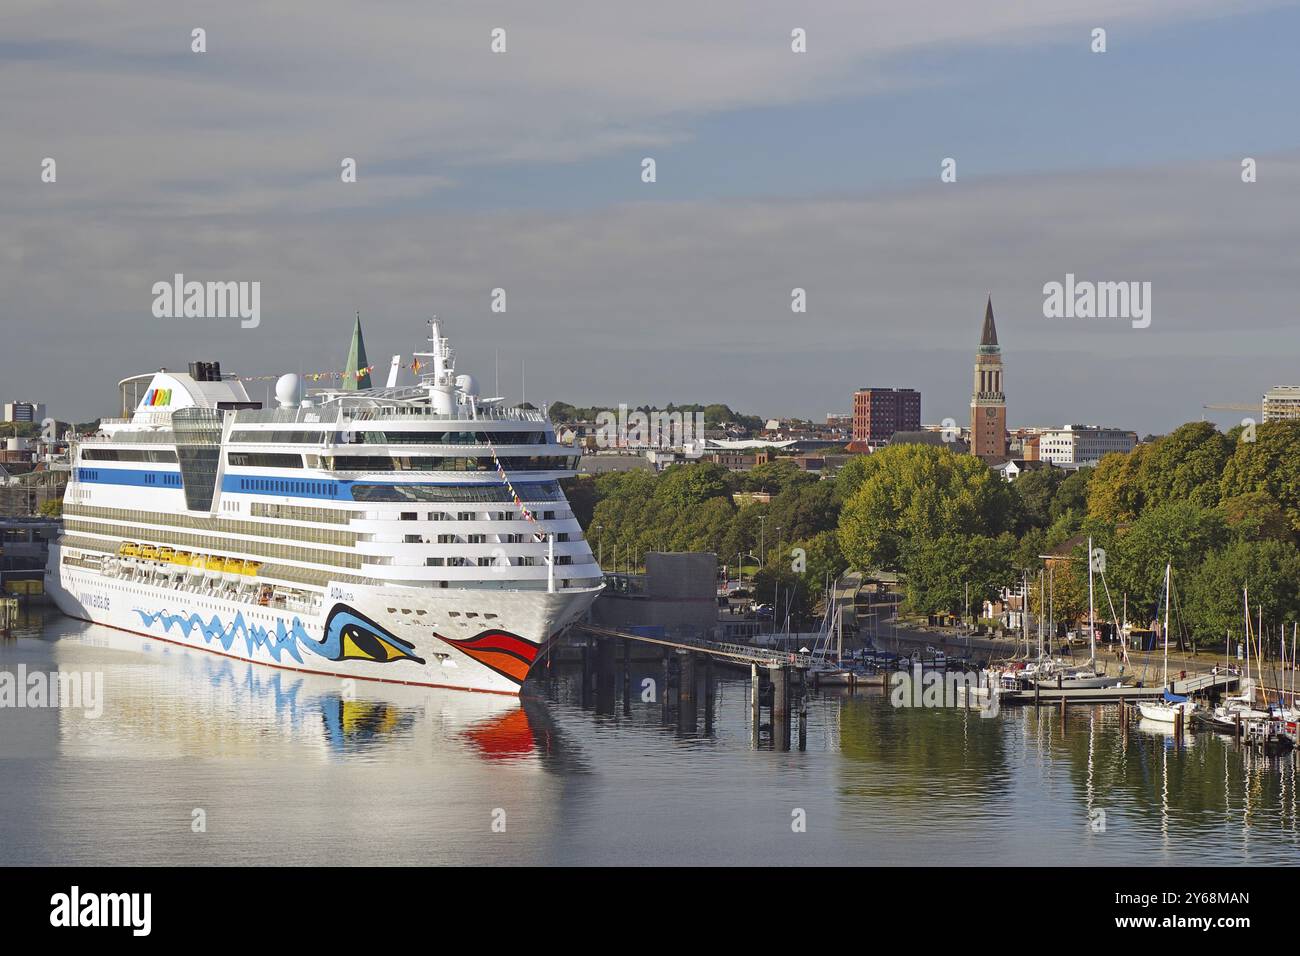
column 441, row 383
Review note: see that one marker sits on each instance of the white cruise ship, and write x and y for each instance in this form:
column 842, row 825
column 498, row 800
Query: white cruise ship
column 412, row 534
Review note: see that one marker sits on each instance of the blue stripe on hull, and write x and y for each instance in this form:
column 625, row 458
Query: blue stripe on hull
column 327, row 489
column 130, row 476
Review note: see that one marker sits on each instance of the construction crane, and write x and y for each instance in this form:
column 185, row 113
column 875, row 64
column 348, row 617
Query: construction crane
column 1237, row 407
column 1256, row 410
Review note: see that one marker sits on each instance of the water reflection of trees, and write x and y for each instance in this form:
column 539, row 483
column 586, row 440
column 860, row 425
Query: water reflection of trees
column 919, row 753
column 1193, row 788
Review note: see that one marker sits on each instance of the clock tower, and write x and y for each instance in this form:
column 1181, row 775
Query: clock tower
column 988, row 403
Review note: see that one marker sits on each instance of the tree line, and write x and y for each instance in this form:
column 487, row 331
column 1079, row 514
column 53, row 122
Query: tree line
column 1223, row 509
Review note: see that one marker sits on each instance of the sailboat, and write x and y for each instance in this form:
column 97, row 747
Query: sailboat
column 826, row 672
column 1173, row 706
column 1052, row 673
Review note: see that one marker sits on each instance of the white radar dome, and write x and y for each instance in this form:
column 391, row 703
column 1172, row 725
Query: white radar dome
column 288, row 390
column 467, row 384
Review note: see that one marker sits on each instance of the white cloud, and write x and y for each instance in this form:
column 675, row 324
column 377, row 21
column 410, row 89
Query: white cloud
column 286, row 90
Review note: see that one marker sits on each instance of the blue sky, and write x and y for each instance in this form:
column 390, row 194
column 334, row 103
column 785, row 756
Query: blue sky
column 775, row 170
column 1160, row 94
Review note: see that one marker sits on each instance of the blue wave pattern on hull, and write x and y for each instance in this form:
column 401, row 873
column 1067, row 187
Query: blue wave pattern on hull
column 284, row 640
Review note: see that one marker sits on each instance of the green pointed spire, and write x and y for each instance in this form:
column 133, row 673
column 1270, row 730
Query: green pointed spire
column 356, row 361
column 989, row 335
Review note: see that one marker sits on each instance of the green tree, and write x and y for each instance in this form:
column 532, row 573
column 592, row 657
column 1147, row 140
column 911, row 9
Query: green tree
column 805, row 509
column 788, row 592
column 851, row 476
column 1115, row 489
column 1269, row 464
column 916, row 493
column 1177, row 532
column 1254, row 516
column 582, row 494
column 681, row 486
column 1071, row 494
column 775, row 476
column 939, row 570
column 1213, row 595
column 1186, row 464
column 1036, row 491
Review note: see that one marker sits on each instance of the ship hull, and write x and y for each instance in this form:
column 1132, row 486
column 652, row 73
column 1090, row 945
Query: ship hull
column 464, row 639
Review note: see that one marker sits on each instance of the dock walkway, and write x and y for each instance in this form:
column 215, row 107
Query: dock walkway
column 739, row 653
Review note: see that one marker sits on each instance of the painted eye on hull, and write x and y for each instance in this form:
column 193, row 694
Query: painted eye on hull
column 351, row 636
column 359, row 644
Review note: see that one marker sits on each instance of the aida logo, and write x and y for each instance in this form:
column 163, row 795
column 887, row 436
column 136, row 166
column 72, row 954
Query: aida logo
column 157, row 396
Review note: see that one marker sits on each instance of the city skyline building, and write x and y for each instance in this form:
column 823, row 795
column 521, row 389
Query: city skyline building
column 880, row 412
column 988, row 404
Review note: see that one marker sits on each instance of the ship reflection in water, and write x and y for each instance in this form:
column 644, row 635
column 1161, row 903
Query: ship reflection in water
column 200, row 759
column 179, row 701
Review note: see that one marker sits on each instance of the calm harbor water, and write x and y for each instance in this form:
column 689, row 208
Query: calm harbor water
column 286, row 770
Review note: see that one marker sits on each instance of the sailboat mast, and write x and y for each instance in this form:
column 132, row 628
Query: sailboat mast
column 1259, row 649
column 1245, row 596
column 1042, row 606
column 839, row 635
column 1165, row 677
column 1024, row 609
column 1092, row 627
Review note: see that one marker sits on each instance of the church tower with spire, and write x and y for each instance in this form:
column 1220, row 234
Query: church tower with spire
column 988, row 403
column 354, row 376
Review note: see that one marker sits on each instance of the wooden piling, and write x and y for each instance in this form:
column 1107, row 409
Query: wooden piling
column 781, row 707
column 686, row 690
column 627, row 677
column 586, row 674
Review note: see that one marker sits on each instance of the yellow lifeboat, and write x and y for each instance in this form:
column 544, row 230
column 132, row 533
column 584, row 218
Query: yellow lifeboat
column 148, row 552
column 129, row 549
column 181, row 558
column 165, row 553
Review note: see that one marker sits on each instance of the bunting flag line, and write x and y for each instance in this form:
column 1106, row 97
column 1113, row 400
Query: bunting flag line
column 414, row 367
column 514, row 495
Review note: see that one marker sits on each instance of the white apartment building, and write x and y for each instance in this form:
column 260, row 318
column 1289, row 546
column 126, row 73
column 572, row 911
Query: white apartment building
column 1282, row 402
column 1082, row 444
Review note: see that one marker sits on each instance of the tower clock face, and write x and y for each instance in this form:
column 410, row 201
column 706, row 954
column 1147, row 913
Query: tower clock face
column 990, row 412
